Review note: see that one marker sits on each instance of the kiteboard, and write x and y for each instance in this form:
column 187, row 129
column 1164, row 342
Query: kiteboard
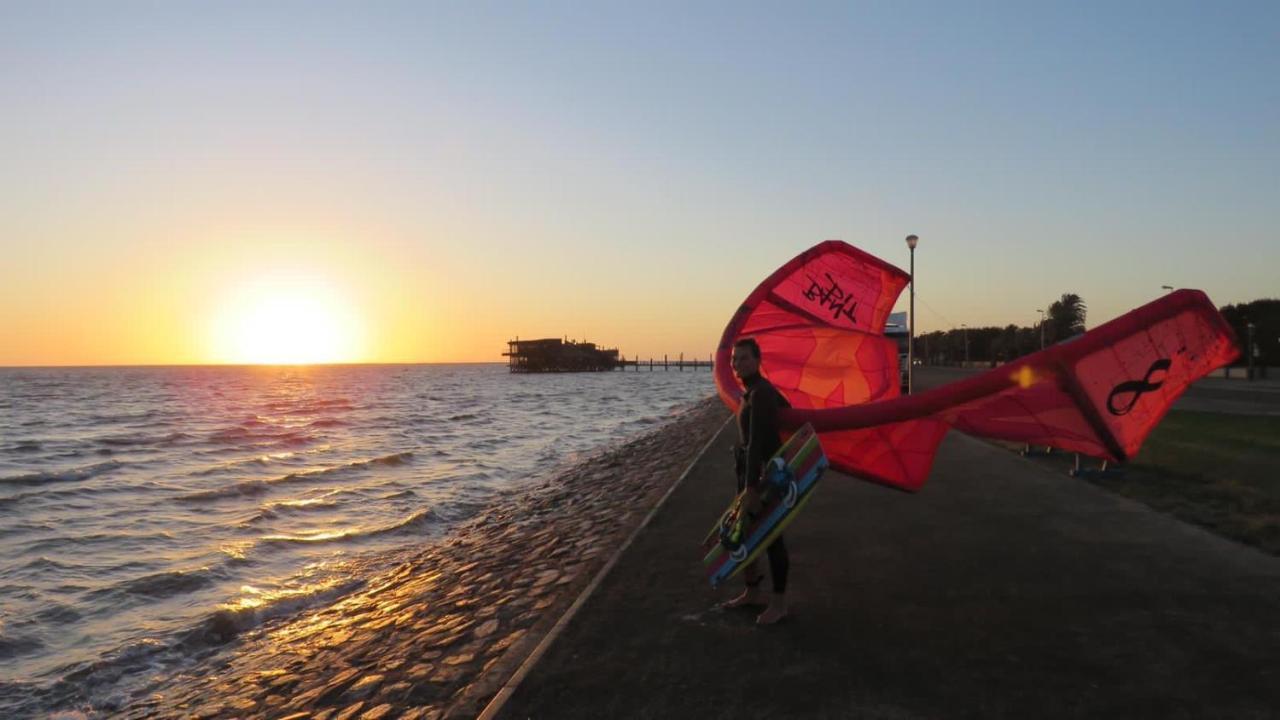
column 790, row 476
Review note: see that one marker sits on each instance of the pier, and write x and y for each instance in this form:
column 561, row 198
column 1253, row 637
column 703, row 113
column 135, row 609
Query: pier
column 666, row 364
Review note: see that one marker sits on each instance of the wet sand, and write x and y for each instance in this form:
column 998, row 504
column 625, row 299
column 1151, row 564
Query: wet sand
column 440, row 633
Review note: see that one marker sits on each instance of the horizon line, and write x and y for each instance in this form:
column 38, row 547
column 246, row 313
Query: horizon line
column 244, row 365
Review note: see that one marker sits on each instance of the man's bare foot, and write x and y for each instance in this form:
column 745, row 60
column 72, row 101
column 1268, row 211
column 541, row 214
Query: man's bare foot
column 750, row 596
column 775, row 612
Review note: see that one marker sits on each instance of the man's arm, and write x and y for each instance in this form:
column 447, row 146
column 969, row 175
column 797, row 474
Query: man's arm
column 764, row 424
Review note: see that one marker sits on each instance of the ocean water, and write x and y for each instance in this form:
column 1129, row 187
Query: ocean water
column 141, row 506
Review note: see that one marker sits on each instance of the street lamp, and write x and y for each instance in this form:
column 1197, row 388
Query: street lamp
column 911, row 326
column 965, row 328
column 1041, row 327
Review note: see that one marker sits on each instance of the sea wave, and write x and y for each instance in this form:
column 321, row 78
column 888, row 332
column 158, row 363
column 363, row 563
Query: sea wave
column 309, row 407
column 76, row 474
column 142, row 440
column 16, row 645
column 271, row 434
column 161, row 584
column 236, row 465
column 258, row 486
column 418, row 520
column 56, row 613
column 273, row 510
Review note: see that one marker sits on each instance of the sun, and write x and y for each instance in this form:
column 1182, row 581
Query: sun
column 286, row 321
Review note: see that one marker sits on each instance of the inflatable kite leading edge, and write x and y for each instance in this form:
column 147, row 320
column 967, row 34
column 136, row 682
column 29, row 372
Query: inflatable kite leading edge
column 820, row 322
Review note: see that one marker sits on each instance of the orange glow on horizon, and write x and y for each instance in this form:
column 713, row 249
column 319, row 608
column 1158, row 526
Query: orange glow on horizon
column 286, row 321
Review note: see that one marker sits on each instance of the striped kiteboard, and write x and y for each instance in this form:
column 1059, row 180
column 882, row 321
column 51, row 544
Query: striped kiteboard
column 790, row 476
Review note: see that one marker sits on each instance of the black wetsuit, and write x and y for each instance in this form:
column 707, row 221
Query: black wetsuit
column 759, row 439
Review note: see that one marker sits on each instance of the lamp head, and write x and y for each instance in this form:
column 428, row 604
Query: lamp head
column 911, row 241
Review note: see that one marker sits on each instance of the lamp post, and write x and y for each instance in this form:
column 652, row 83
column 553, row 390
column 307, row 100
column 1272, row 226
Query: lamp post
column 911, row 326
column 965, row 328
column 1041, row 327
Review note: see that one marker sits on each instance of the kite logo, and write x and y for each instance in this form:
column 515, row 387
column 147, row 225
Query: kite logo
column 832, row 297
column 1137, row 387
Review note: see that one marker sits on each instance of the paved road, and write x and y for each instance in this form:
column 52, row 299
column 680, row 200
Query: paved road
column 1001, row 590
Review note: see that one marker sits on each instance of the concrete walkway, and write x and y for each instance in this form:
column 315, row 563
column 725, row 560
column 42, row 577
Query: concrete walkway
column 1001, row 590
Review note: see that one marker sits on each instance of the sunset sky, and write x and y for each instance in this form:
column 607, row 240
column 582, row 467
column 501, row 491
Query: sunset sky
column 385, row 182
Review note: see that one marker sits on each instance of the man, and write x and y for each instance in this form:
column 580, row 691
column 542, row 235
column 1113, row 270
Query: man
column 759, row 439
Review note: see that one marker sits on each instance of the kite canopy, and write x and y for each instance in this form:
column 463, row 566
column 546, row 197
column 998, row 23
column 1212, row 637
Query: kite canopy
column 819, row 321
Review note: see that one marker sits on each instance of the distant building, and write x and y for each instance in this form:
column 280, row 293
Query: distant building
column 556, row 355
column 896, row 329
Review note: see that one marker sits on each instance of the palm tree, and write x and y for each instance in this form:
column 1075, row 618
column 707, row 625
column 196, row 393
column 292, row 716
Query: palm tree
column 1066, row 317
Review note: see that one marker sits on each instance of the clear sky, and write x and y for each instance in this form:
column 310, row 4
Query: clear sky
column 366, row 181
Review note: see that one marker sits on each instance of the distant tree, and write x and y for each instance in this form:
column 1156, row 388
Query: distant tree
column 1265, row 316
column 1066, row 317
column 1003, row 344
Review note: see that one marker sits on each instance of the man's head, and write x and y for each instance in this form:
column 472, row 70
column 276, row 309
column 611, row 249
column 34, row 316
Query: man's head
column 746, row 358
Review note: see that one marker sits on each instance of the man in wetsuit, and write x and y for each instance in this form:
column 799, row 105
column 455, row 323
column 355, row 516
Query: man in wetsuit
column 759, row 439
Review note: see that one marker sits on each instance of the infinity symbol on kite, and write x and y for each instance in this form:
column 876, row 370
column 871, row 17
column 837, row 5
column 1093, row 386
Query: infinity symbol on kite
column 1137, row 387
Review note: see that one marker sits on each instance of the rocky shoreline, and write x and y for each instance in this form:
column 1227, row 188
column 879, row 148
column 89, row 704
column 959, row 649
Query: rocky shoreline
column 439, row 634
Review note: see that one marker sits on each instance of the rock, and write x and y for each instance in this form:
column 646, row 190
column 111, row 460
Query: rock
column 486, row 629
column 460, row 659
column 339, row 681
column 306, row 697
column 349, row 712
column 421, row 671
column 335, row 638
column 449, row 673
column 508, row 641
column 379, row 624
column 441, row 640
column 377, row 713
column 363, row 688
column 395, row 692
column 206, row 712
